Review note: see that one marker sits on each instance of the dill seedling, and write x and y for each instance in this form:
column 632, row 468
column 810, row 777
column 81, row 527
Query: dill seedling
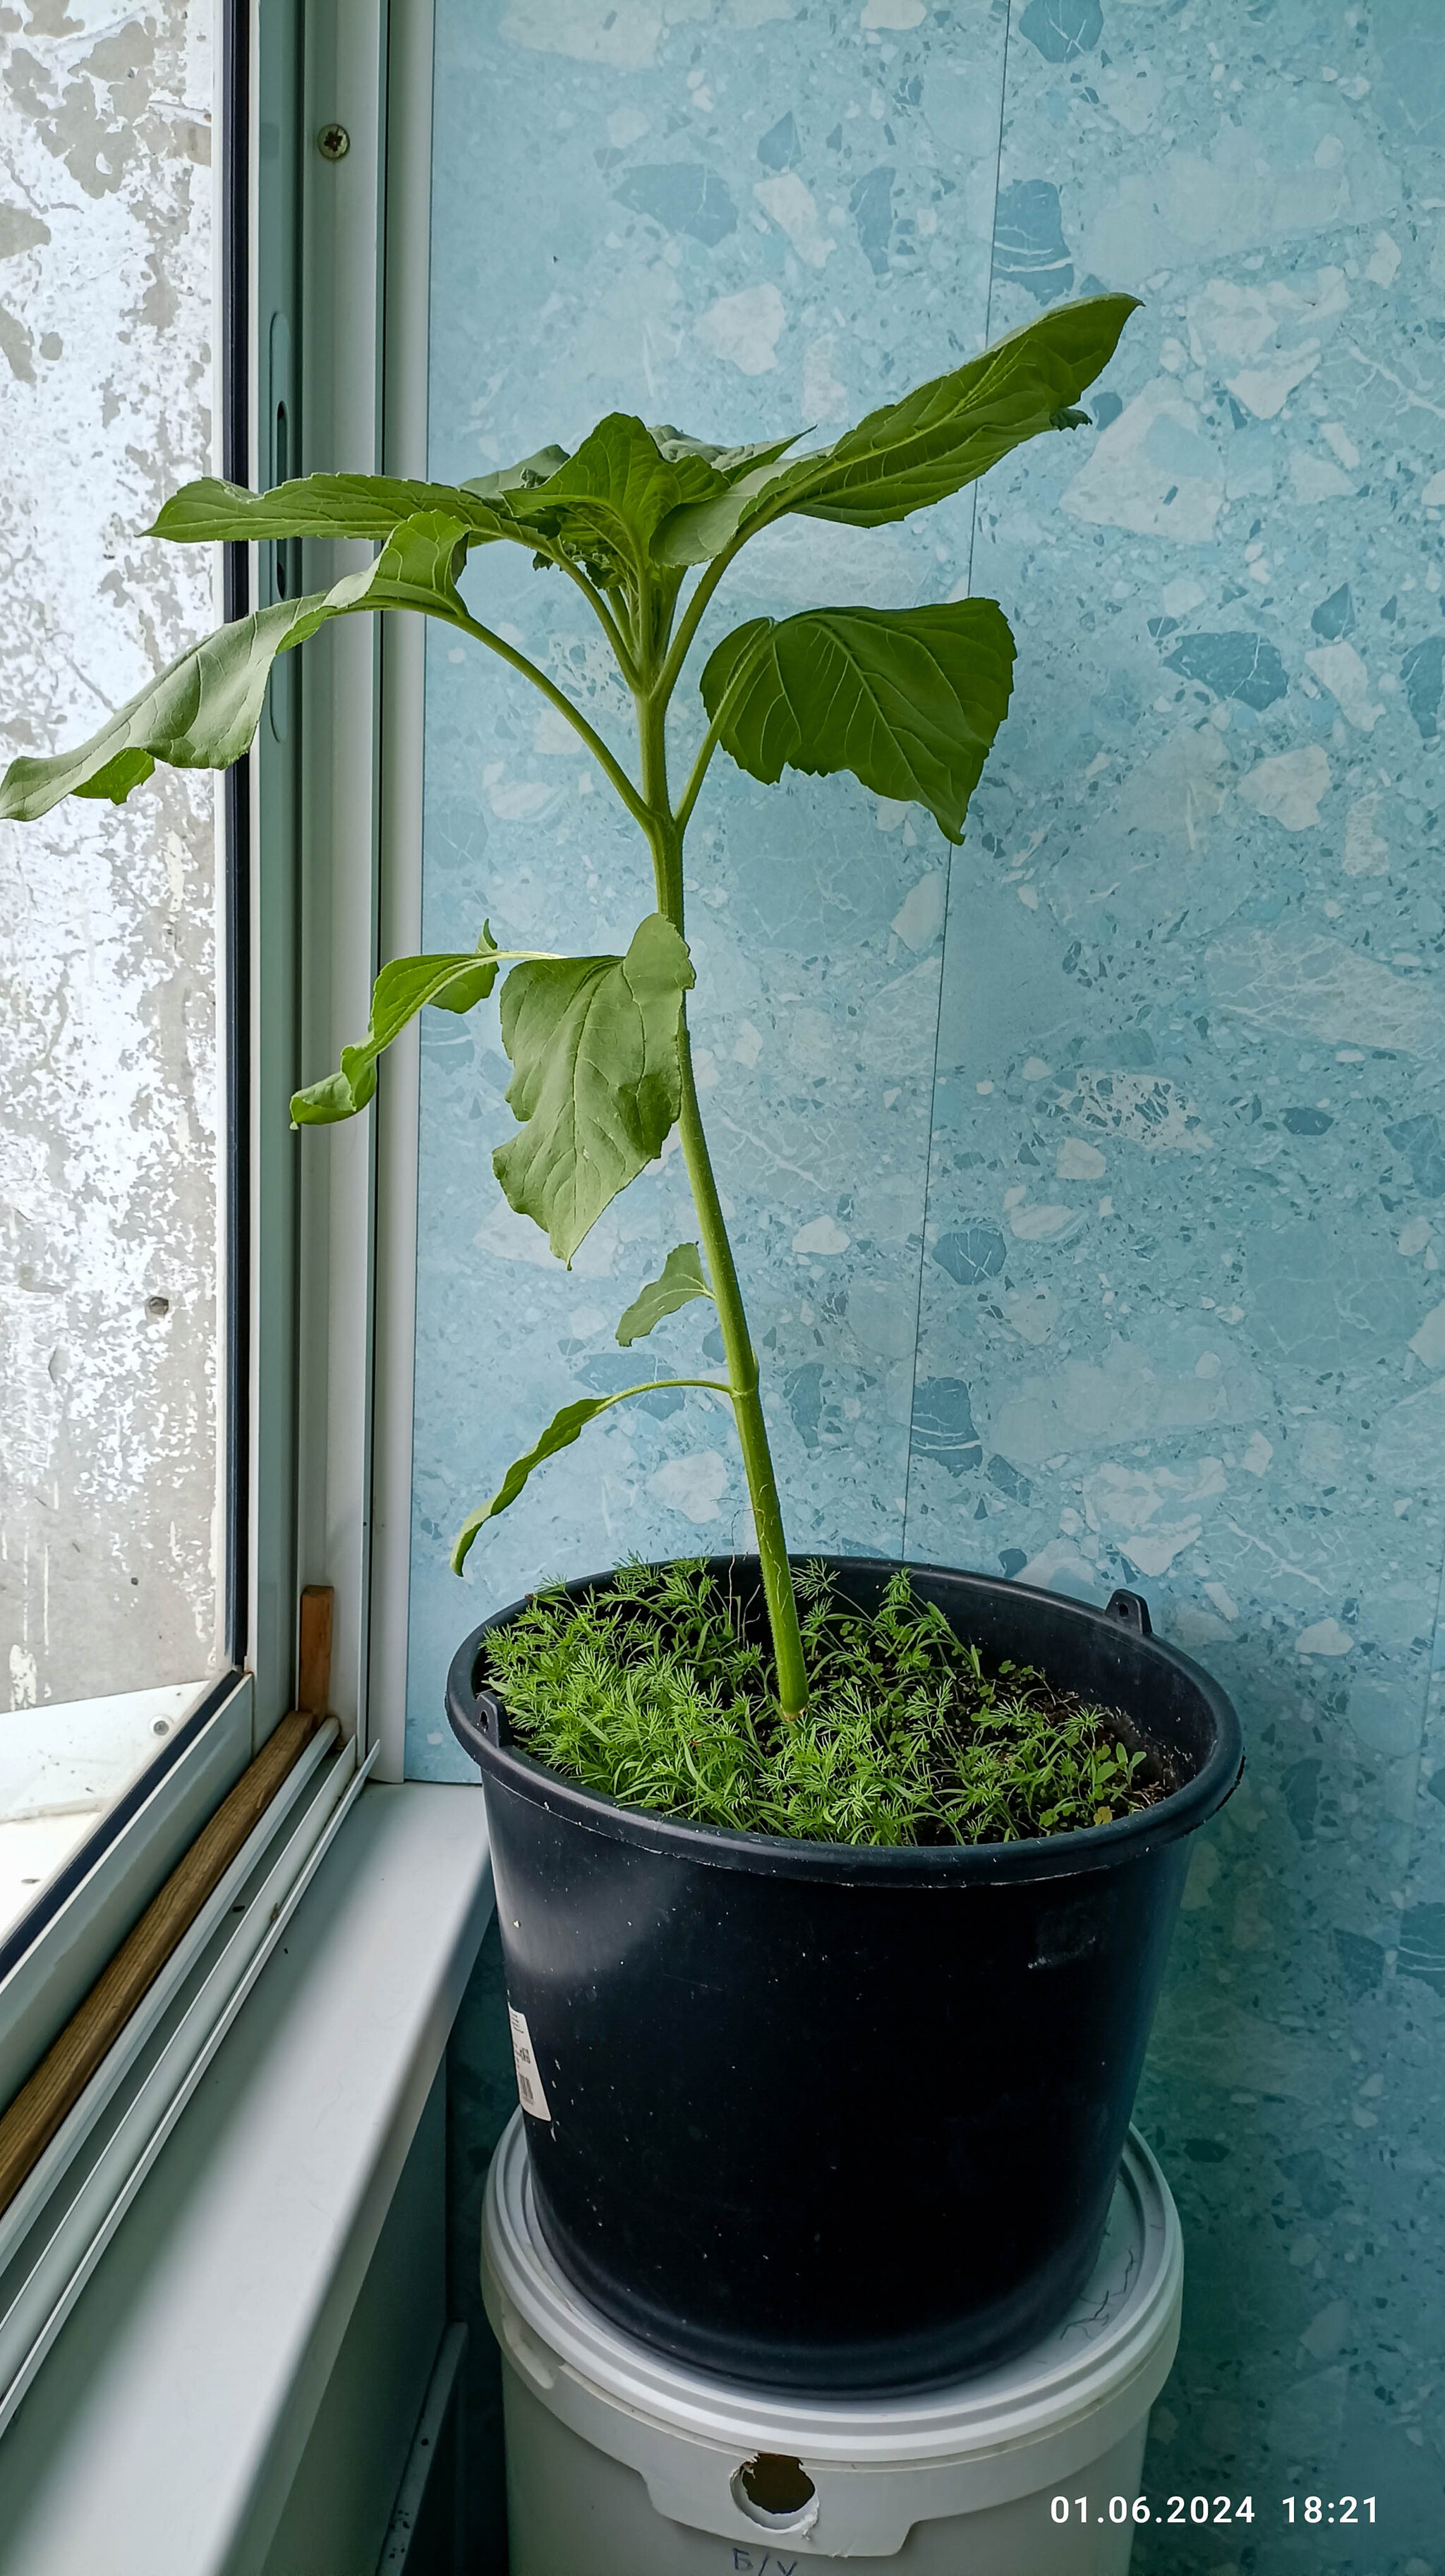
column 658, row 1692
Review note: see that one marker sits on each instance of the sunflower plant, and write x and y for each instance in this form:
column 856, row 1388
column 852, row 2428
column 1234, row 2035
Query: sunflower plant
column 646, row 524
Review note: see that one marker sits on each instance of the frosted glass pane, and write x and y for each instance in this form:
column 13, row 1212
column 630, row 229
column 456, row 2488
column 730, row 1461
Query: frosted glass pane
column 108, row 1101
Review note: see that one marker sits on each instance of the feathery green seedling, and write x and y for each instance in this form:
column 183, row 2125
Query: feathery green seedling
column 654, row 1693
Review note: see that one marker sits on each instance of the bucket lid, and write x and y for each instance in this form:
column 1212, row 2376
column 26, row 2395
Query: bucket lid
column 1117, row 2341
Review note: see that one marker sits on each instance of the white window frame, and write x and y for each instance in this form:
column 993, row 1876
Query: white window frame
column 366, row 254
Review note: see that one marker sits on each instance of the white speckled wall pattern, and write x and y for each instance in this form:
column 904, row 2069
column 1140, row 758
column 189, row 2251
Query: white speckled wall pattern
column 1087, row 1180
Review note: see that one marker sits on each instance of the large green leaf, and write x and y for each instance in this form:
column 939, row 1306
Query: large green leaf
column 202, row 711
column 917, row 451
column 681, row 1281
column 597, row 1084
column 605, row 504
column 561, row 1431
column 449, row 983
column 908, row 699
column 319, row 505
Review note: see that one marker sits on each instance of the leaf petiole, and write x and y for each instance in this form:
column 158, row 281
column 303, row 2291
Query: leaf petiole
column 713, row 735
column 621, row 650
column 561, row 1431
column 610, row 766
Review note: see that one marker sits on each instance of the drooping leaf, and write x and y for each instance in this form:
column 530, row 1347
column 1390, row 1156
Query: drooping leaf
column 606, row 502
column 561, row 1431
column 681, row 1281
column 318, row 505
column 199, row 714
column 907, row 699
column 202, row 711
column 597, row 1084
column 938, row 438
column 449, row 983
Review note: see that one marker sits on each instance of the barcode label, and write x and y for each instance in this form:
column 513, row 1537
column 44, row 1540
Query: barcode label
column 530, row 2091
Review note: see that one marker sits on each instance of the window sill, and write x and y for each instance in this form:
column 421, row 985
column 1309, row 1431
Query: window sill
column 163, row 2434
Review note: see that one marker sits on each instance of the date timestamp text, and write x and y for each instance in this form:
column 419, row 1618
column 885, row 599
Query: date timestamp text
column 1204, row 2508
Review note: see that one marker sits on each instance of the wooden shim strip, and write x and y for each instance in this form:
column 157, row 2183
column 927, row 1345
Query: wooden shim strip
column 313, row 1656
column 50, row 2094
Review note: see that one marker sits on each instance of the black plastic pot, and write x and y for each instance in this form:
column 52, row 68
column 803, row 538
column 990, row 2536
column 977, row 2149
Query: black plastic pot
column 826, row 2116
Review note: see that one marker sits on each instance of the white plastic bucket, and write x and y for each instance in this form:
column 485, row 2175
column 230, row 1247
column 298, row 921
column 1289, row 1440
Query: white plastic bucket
column 618, row 2464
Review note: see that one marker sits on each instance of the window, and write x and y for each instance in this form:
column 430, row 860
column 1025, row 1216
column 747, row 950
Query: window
column 204, row 1342
column 112, row 1358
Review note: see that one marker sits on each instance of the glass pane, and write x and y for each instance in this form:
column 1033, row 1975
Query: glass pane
column 109, row 1527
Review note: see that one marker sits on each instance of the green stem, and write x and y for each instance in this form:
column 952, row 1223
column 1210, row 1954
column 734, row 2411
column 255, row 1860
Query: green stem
column 693, row 615
column 713, row 735
column 742, row 1367
column 696, row 775
column 712, row 573
column 620, row 650
column 611, row 768
column 742, row 1362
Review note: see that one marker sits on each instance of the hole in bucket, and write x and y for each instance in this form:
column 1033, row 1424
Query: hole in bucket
column 776, row 2492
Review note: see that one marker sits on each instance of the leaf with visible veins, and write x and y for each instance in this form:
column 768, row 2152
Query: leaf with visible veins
column 908, row 699
column 598, row 1079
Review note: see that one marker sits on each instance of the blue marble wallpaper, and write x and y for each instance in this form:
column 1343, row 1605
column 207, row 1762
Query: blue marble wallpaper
column 1088, row 1181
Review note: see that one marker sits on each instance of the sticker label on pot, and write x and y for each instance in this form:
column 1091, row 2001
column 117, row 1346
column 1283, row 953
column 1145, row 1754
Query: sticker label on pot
column 530, row 2092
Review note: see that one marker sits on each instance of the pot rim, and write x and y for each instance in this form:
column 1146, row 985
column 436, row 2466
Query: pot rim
column 475, row 1717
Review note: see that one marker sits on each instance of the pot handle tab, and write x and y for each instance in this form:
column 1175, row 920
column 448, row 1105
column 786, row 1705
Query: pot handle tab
column 1131, row 1610
column 493, row 1717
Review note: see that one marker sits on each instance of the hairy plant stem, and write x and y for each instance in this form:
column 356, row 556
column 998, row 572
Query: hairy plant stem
column 665, row 838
